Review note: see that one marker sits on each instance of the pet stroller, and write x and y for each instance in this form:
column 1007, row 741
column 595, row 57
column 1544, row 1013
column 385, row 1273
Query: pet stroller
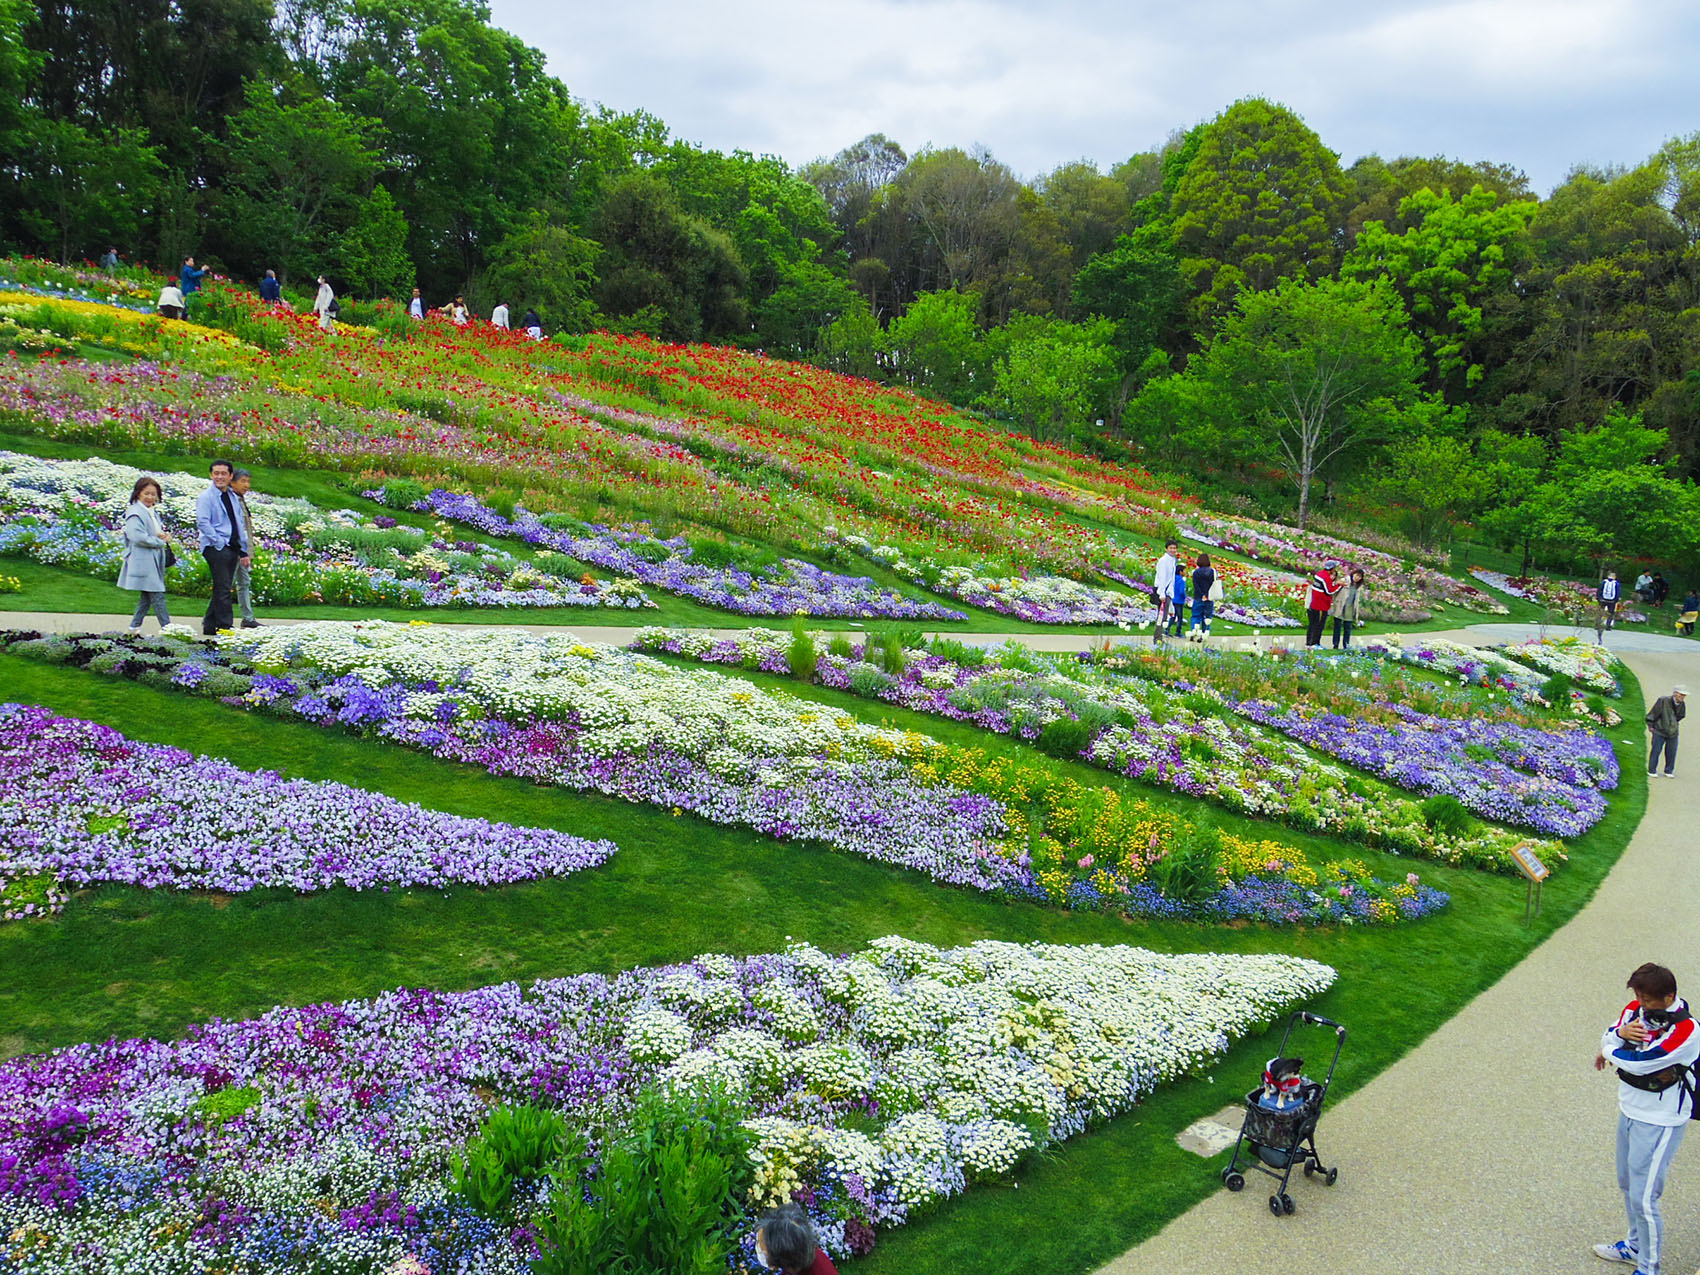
column 1276, row 1140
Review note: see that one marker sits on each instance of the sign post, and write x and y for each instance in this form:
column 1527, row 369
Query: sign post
column 1535, row 872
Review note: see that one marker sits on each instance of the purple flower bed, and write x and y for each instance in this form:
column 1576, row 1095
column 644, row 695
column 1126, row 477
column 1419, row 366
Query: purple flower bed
column 87, row 806
column 792, row 587
column 1550, row 781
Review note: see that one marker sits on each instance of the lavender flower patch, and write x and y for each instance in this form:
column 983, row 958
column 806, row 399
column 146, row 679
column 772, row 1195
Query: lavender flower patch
column 316, row 1141
column 88, row 806
column 792, row 587
column 1486, row 765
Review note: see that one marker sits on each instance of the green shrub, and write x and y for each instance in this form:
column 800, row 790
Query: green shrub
column 841, row 647
column 869, row 682
column 1066, row 737
column 1189, row 872
column 1556, row 690
column 960, row 652
column 404, row 493
column 1445, row 814
column 1596, row 704
column 802, row 656
column 503, row 501
column 893, row 658
column 514, row 1145
column 224, row 1105
column 668, row 1194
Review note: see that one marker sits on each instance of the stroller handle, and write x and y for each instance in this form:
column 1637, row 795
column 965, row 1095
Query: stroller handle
column 1320, row 1021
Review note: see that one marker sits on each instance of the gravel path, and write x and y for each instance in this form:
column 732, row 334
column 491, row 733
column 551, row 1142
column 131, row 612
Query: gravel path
column 1488, row 1148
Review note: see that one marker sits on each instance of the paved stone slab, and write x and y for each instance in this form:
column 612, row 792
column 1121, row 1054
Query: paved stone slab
column 1213, row 1134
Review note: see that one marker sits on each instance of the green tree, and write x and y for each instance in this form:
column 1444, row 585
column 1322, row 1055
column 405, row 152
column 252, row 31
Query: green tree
column 1430, row 480
column 853, row 342
column 809, row 299
column 1453, row 257
column 670, row 273
column 1091, row 209
column 936, row 345
column 1261, row 200
column 1511, row 467
column 1380, row 187
column 1055, row 378
column 372, row 255
column 298, row 166
column 1321, row 373
column 1137, row 285
column 80, row 191
column 543, row 265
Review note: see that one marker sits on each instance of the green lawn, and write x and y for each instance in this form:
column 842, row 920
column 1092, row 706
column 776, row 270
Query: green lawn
column 122, row 961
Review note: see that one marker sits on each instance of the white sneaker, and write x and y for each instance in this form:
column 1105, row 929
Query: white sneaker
column 1618, row 1251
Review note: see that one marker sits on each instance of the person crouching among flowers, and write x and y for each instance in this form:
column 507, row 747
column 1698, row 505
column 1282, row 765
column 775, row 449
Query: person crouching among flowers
column 785, row 1241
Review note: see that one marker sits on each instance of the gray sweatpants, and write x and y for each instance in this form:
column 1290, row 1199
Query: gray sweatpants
column 1644, row 1153
column 244, row 583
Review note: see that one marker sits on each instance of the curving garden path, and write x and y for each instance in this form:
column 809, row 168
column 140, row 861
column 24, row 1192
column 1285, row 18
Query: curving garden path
column 1489, row 1147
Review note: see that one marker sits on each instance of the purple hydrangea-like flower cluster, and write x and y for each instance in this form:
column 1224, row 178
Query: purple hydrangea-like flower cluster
column 87, row 806
column 790, row 587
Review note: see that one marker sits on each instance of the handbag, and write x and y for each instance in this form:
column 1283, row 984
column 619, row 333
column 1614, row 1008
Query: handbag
column 1215, row 594
column 170, row 558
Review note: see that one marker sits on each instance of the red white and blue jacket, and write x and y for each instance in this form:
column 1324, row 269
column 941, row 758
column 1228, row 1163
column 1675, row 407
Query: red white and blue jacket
column 1323, row 587
column 1669, row 1052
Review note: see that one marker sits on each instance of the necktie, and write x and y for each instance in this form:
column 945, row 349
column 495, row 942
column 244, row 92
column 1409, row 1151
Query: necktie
column 235, row 527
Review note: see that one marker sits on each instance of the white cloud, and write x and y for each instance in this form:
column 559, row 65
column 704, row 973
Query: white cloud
column 1541, row 84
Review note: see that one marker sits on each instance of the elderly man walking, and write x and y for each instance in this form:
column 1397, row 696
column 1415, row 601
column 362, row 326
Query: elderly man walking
column 1663, row 721
column 243, row 583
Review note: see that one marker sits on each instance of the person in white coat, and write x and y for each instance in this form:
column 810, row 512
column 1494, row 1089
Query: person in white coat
column 322, row 305
column 1164, row 584
column 499, row 316
column 145, row 546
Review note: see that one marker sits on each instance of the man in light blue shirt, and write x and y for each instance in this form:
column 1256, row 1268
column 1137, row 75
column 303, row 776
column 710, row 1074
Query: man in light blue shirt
column 224, row 544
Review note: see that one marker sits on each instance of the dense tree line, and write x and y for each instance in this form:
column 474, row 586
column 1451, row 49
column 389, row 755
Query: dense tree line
column 1234, row 300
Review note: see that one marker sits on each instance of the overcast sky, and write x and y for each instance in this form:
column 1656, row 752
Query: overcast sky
column 1542, row 84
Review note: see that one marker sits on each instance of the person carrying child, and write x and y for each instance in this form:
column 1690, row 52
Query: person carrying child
column 1653, row 1046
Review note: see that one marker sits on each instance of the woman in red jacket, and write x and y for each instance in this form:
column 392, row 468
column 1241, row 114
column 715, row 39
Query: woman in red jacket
column 785, row 1241
column 1323, row 587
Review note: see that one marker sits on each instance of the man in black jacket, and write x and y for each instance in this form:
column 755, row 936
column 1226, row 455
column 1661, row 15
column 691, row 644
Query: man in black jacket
column 1662, row 720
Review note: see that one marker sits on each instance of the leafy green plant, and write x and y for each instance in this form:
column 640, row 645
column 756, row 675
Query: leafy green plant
column 224, row 1105
column 868, row 682
column 1066, row 737
column 802, row 656
column 668, row 1194
column 1189, row 872
column 1556, row 690
column 959, row 652
column 404, row 493
column 893, row 658
column 515, row 1145
column 1444, row 813
column 841, row 647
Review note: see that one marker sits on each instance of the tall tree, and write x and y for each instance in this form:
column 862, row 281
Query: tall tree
column 1262, row 200
column 670, row 274
column 1321, row 372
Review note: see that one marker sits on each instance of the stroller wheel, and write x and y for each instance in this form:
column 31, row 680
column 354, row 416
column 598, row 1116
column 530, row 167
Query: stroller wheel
column 1331, row 1176
column 1310, row 1167
column 1233, row 1181
column 1275, row 1205
column 1287, row 1205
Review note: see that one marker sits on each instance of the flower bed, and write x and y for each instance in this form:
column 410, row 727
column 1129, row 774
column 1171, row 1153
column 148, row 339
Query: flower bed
column 1585, row 663
column 956, row 814
column 1568, row 596
column 1043, row 599
column 86, row 806
column 317, row 1140
column 1138, row 730
column 70, row 514
column 787, row 587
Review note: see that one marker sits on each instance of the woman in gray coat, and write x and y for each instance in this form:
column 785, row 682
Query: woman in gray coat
column 1347, row 608
column 145, row 542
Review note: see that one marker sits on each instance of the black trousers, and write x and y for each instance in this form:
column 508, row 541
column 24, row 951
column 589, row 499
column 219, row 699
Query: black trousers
column 1313, row 627
column 222, row 563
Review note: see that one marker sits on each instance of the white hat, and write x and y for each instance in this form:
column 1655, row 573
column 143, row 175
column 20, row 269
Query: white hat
column 1679, row 689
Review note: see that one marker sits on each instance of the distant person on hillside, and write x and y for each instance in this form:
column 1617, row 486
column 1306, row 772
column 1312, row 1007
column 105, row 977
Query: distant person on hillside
column 243, row 581
column 170, row 304
column 533, row 325
column 1690, row 612
column 110, row 260
column 1203, row 598
column 1610, row 589
column 1664, row 719
column 271, row 291
column 147, row 546
column 1163, row 585
column 1661, row 589
column 416, row 307
column 1323, row 587
column 459, row 313
column 322, row 305
column 1644, row 587
column 1347, row 608
column 499, row 316
column 785, row 1241
column 1652, row 1045
column 190, row 278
